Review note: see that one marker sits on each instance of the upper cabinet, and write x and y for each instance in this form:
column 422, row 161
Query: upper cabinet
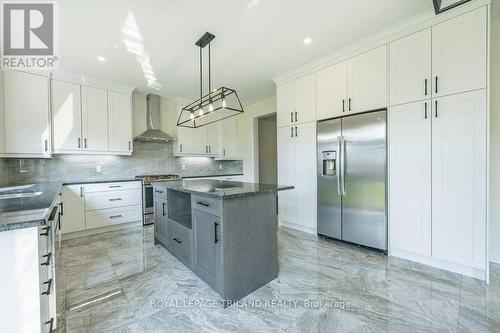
column 410, row 69
column 66, row 116
column 229, row 138
column 89, row 120
column 26, row 121
column 446, row 59
column 459, row 53
column 120, row 122
column 356, row 85
column 94, row 119
column 367, row 81
column 296, row 101
column 331, row 92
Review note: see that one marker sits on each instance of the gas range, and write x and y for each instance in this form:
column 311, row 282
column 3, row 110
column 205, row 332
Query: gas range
column 147, row 179
column 147, row 193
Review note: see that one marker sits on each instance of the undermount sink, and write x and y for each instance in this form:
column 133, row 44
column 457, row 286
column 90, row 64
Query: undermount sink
column 19, row 195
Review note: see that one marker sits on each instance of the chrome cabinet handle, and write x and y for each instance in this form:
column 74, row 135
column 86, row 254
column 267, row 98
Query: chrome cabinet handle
column 343, row 150
column 436, row 109
column 203, row 203
column 436, row 85
column 85, row 143
column 81, row 191
column 180, row 147
column 291, row 132
column 51, row 324
column 296, row 116
column 79, row 143
column 343, row 105
column 115, row 216
column 349, row 104
column 296, row 135
column 425, row 89
column 46, row 145
column 163, row 209
column 46, row 231
column 216, row 239
column 48, row 256
column 114, row 186
column 115, row 199
column 425, row 110
column 129, row 145
column 291, row 117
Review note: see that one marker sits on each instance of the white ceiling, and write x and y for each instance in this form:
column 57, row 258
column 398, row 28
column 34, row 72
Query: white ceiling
column 255, row 39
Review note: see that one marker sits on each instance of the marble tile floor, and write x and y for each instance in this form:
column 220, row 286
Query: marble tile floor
column 120, row 282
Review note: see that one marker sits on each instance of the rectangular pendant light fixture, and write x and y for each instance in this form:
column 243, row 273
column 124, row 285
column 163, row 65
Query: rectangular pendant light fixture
column 215, row 106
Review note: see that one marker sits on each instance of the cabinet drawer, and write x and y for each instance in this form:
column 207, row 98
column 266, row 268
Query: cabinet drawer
column 105, row 187
column 112, row 216
column 180, row 242
column 205, row 204
column 111, row 199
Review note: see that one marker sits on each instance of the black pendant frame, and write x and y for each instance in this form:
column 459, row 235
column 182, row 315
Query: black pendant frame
column 188, row 118
column 437, row 6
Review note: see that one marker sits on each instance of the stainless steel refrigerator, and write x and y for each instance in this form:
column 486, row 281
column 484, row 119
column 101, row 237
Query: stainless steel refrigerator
column 352, row 179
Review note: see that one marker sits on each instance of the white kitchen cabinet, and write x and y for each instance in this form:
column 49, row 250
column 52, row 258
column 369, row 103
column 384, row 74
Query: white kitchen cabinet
column 410, row 177
column 296, row 101
column 73, row 218
column 297, row 167
column 367, row 81
column 214, row 133
column 200, row 146
column 26, row 120
column 459, row 151
column 94, row 119
column 410, row 68
column 185, row 140
column 305, row 99
column 459, row 53
column 331, row 91
column 229, row 138
column 285, row 103
column 120, row 122
column 66, row 117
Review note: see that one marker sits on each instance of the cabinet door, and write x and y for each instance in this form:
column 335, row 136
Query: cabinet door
column 229, row 138
column 459, row 133
column 94, row 119
column 459, row 53
column 285, row 103
column 73, row 218
column 66, row 116
column 185, row 140
column 161, row 220
column 214, row 132
column 367, row 79
column 200, row 140
column 331, row 93
column 120, row 122
column 286, row 174
column 27, row 126
column 305, row 175
column 207, row 245
column 410, row 68
column 305, row 99
column 410, row 177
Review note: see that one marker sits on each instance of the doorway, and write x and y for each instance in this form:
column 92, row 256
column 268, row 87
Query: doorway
column 267, row 140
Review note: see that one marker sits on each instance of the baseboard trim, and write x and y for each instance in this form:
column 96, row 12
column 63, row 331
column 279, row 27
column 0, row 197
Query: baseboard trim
column 298, row 227
column 95, row 231
column 495, row 257
column 442, row 264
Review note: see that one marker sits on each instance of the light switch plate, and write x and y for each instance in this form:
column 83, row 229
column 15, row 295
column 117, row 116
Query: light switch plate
column 220, row 166
column 183, row 166
column 98, row 168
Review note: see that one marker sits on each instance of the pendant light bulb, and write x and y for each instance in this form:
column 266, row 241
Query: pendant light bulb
column 210, row 107
column 201, row 112
column 191, row 116
column 223, row 102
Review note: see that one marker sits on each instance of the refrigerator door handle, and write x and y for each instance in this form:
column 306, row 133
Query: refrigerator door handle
column 339, row 172
column 342, row 161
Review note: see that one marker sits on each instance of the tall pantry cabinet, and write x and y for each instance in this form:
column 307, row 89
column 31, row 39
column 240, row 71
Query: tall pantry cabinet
column 438, row 145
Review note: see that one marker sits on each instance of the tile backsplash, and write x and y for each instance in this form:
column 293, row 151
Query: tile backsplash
column 148, row 158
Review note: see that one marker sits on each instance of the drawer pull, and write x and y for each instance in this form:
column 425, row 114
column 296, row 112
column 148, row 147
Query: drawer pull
column 49, row 285
column 48, row 256
column 115, row 216
column 216, row 239
column 177, row 241
column 203, row 203
column 115, row 199
column 51, row 324
column 163, row 209
column 115, row 186
column 46, row 231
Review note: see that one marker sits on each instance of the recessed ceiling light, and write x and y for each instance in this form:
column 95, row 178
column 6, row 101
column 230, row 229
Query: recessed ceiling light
column 307, row 40
column 101, row 58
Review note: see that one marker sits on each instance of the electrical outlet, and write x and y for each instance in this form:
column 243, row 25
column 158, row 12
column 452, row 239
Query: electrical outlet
column 98, row 168
column 183, row 166
column 220, row 166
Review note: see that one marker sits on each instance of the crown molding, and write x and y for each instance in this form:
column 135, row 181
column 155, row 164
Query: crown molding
column 404, row 28
column 92, row 82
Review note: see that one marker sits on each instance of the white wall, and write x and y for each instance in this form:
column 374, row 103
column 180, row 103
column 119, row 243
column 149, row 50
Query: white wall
column 247, row 135
column 495, row 136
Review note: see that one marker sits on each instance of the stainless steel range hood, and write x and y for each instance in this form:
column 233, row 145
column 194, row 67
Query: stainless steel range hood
column 153, row 121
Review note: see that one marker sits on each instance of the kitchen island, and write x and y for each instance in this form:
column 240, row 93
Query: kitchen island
column 225, row 232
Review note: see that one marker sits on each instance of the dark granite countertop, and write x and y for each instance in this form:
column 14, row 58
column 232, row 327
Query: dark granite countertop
column 213, row 176
column 221, row 189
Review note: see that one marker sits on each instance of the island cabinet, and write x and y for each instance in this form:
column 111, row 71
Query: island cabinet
column 225, row 232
